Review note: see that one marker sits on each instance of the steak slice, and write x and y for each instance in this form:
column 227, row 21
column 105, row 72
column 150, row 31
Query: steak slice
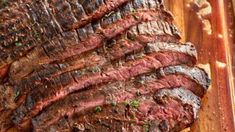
column 51, row 18
column 114, row 49
column 130, row 6
column 41, row 23
column 44, row 22
column 166, row 110
column 116, row 93
column 63, row 61
column 55, row 50
column 122, row 48
column 64, row 84
column 189, row 49
column 115, row 54
column 198, row 74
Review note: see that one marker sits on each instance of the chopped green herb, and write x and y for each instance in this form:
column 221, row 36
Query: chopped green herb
column 95, row 69
column 131, row 36
column 138, row 93
column 146, row 126
column 199, row 1
column 112, row 12
column 140, row 55
column 136, row 17
column 114, row 30
column 113, row 103
column 98, row 109
column 16, row 95
column 132, row 116
column 37, row 35
column 133, row 10
column 4, row 3
column 126, row 103
column 18, row 44
column 122, row 45
column 141, row 81
column 135, row 103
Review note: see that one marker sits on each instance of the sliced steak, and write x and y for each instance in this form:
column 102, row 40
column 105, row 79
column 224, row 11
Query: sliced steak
column 49, row 72
column 29, row 84
column 55, row 50
column 198, row 74
column 166, row 110
column 114, row 49
column 64, row 84
column 131, row 5
column 116, row 93
column 52, row 17
column 122, row 48
column 44, row 25
column 88, row 65
column 42, row 76
column 41, row 21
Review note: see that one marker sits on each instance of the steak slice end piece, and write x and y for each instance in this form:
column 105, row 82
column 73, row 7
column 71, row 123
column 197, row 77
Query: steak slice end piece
column 167, row 110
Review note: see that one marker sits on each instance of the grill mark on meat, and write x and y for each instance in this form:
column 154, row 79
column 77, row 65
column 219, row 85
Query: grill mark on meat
column 38, row 56
column 129, row 47
column 21, row 49
column 99, row 13
column 149, row 110
column 6, row 103
column 131, row 69
column 11, row 16
column 101, row 59
column 188, row 48
column 3, row 72
column 48, row 72
column 121, row 64
column 82, row 30
column 115, row 92
column 29, row 41
column 121, row 48
column 40, row 22
column 91, row 5
column 184, row 95
column 40, row 11
column 77, row 9
column 199, row 75
column 62, row 12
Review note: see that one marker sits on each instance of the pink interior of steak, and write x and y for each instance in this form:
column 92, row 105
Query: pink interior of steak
column 118, row 64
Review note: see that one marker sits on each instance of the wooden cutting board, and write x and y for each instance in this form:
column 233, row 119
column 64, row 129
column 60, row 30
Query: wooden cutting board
column 210, row 26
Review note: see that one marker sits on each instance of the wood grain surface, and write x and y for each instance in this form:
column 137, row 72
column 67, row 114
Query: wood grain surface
column 210, row 26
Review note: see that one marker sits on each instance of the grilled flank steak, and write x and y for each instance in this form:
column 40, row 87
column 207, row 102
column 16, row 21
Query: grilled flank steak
column 89, row 65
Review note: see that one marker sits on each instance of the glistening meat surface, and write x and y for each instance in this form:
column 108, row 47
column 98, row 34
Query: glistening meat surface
column 166, row 110
column 119, row 92
column 88, row 65
column 38, row 99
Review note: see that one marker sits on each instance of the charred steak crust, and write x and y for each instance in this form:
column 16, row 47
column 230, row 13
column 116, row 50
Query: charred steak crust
column 27, row 85
column 196, row 73
column 113, row 93
column 59, row 48
column 41, row 20
column 66, row 61
column 143, row 113
column 67, row 83
column 142, row 33
column 46, row 20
